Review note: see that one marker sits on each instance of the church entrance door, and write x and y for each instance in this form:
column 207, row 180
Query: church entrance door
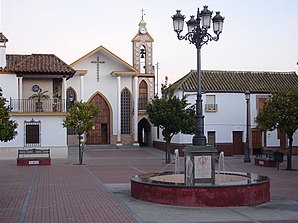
column 100, row 134
column 144, row 132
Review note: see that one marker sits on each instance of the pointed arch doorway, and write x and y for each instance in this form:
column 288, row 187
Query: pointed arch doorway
column 144, row 134
column 100, row 133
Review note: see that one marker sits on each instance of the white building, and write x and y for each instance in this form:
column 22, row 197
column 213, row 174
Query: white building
column 21, row 76
column 225, row 109
column 119, row 89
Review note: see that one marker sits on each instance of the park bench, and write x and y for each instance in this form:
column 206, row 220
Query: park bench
column 33, row 156
column 269, row 158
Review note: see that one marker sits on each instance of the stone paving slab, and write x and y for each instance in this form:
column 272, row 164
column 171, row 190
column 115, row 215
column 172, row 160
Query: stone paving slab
column 99, row 191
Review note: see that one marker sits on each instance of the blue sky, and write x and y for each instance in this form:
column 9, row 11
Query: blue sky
column 258, row 35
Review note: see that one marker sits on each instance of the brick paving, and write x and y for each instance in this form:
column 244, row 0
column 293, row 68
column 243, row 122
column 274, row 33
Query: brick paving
column 99, row 191
column 56, row 193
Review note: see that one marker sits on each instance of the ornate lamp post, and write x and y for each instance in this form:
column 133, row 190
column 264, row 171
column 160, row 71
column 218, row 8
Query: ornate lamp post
column 198, row 35
column 246, row 149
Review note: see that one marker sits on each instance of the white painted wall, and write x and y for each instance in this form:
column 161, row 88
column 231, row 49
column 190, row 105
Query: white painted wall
column 230, row 116
column 2, row 56
column 53, row 136
column 9, row 85
column 107, row 85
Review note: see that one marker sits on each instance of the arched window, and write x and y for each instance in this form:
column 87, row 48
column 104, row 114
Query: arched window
column 143, row 95
column 71, row 97
column 125, row 111
column 142, row 59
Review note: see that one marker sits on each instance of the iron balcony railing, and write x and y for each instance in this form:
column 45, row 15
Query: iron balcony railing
column 33, row 105
column 210, row 107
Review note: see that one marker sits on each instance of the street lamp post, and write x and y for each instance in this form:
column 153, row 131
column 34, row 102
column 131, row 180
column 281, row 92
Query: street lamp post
column 246, row 149
column 202, row 156
column 198, row 35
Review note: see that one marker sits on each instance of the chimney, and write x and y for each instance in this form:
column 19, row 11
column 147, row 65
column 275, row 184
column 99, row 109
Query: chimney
column 3, row 41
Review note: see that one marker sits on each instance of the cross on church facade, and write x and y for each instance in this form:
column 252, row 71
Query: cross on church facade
column 97, row 61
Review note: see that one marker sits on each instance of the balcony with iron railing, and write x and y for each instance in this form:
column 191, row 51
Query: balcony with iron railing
column 33, row 105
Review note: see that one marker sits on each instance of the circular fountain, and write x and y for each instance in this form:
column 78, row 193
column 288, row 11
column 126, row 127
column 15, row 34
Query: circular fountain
column 230, row 189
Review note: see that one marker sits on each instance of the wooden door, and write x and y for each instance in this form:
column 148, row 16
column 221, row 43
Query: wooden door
column 238, row 143
column 104, row 133
column 100, row 134
column 256, row 139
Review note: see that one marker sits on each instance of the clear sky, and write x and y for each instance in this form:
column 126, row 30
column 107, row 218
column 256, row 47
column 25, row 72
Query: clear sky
column 258, row 35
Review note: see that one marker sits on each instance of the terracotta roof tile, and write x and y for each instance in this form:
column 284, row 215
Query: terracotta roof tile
column 37, row 63
column 238, row 81
column 12, row 60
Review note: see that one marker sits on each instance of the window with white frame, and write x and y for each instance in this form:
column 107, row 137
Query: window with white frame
column 210, row 103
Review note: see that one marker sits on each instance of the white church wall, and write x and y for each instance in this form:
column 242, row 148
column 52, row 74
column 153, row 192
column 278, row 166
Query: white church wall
column 105, row 83
column 74, row 82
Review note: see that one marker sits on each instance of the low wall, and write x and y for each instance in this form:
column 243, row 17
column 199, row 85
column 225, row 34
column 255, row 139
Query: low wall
column 227, row 148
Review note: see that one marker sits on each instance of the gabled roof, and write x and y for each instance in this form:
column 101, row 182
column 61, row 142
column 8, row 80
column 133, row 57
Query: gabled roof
column 35, row 64
column 109, row 54
column 142, row 37
column 238, row 81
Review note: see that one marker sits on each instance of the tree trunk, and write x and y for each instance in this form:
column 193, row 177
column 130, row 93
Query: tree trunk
column 168, row 156
column 80, row 151
column 289, row 155
column 81, row 154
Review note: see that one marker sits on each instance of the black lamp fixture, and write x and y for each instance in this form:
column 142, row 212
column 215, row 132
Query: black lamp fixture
column 198, row 35
column 0, row 92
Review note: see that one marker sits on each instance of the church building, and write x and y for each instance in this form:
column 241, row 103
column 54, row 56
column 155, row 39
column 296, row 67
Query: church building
column 121, row 91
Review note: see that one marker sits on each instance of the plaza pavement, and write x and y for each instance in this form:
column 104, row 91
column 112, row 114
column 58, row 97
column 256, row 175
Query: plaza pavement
column 99, row 191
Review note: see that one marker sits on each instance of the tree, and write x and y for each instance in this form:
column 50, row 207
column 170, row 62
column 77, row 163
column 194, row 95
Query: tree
column 7, row 126
column 171, row 114
column 81, row 118
column 281, row 113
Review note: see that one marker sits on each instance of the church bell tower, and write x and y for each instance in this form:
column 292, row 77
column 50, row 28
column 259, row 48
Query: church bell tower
column 142, row 50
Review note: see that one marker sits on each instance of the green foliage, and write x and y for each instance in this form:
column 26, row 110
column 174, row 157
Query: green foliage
column 281, row 112
column 81, row 117
column 171, row 114
column 7, row 126
column 40, row 95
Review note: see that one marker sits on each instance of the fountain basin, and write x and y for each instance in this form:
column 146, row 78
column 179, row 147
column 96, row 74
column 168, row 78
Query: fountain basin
column 230, row 189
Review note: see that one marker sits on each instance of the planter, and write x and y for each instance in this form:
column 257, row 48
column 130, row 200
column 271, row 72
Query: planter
column 39, row 106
